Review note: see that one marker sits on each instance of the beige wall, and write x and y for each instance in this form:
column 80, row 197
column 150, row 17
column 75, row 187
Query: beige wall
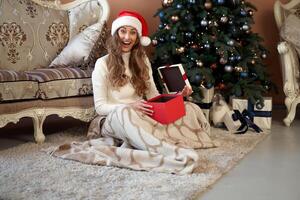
column 264, row 25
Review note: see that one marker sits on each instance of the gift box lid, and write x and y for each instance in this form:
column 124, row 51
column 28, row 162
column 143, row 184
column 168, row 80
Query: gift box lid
column 173, row 77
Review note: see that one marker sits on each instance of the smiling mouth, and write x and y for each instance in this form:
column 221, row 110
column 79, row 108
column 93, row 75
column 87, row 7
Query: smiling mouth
column 126, row 43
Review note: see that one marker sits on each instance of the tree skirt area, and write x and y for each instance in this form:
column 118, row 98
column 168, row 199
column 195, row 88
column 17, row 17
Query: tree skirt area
column 28, row 173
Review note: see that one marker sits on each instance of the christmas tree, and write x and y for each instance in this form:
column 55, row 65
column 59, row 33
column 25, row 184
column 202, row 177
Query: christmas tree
column 214, row 42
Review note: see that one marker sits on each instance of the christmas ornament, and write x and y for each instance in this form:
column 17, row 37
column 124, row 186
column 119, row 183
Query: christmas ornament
column 199, row 63
column 238, row 69
column 191, row 1
column 154, row 42
column 174, row 18
column 231, row 58
column 259, row 105
column 188, row 34
column 250, row 12
column 245, row 27
column 244, row 74
column 238, row 57
column 228, row 68
column 161, row 39
column 194, row 46
column 207, row 46
column 266, row 85
column 161, row 14
column 173, row 37
column 252, row 61
column 243, row 12
column 208, row 5
column 179, row 6
column 230, row 42
column 223, row 61
column 197, row 79
column 167, row 3
column 208, row 85
column 264, row 55
column 213, row 66
column 167, row 27
column 224, row 19
column 180, row 50
column 222, row 86
column 219, row 2
column 203, row 22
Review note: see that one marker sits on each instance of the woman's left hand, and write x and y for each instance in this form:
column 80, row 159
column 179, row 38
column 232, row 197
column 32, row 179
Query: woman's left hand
column 186, row 91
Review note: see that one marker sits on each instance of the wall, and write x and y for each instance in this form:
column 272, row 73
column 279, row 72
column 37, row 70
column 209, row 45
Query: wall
column 264, row 25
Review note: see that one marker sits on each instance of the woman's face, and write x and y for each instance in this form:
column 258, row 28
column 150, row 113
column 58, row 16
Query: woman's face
column 128, row 36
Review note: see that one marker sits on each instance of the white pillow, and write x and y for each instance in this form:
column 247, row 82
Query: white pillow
column 78, row 49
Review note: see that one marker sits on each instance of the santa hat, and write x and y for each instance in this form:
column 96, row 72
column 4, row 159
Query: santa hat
column 134, row 19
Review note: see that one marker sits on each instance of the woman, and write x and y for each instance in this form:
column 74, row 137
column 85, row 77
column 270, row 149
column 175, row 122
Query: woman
column 126, row 135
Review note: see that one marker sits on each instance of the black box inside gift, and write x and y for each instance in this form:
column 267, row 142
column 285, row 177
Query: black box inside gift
column 173, row 77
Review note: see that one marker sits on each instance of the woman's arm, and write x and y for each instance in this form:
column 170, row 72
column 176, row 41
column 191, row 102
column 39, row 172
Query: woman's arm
column 100, row 88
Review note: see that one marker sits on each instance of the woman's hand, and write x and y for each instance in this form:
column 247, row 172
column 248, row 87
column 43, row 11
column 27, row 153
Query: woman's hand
column 142, row 106
column 186, row 91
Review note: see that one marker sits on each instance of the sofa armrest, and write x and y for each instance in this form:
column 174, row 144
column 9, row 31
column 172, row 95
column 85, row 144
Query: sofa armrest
column 290, row 68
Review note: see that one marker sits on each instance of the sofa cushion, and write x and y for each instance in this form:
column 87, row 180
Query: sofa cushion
column 17, row 86
column 78, row 49
column 62, row 82
column 31, row 36
column 79, row 19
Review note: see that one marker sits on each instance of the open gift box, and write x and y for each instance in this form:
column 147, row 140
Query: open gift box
column 173, row 77
column 167, row 108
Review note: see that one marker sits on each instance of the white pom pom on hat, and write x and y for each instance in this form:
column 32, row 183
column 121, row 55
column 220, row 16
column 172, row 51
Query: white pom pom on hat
column 134, row 19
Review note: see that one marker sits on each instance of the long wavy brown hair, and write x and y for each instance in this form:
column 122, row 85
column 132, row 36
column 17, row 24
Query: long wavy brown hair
column 116, row 69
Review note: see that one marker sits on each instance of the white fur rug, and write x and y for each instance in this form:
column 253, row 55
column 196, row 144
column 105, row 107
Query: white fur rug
column 28, row 173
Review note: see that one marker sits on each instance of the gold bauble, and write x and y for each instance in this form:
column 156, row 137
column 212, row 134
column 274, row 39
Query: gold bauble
column 208, row 5
column 238, row 69
column 180, row 50
column 167, row 3
column 199, row 63
column 174, row 18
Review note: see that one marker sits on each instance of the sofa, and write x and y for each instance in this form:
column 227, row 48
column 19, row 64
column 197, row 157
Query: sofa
column 287, row 17
column 48, row 50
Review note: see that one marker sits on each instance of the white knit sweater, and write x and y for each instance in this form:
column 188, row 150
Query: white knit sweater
column 105, row 98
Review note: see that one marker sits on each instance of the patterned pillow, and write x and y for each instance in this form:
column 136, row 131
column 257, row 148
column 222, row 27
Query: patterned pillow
column 97, row 51
column 78, row 49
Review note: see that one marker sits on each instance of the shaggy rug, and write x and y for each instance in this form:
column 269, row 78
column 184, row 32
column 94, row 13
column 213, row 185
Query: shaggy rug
column 28, row 173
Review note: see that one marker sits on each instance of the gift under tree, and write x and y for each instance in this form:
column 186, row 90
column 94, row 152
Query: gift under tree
column 214, row 42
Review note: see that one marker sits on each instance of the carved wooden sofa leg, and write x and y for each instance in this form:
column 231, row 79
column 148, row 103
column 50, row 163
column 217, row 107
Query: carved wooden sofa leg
column 38, row 118
column 291, row 110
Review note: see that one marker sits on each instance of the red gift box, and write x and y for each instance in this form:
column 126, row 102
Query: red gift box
column 167, row 108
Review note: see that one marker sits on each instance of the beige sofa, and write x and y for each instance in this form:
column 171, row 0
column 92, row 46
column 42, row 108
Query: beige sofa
column 287, row 17
column 47, row 53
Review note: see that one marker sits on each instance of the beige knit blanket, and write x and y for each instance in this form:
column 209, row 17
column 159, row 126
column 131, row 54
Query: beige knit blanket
column 127, row 138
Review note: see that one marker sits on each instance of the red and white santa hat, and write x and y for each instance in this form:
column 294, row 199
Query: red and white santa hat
column 134, row 19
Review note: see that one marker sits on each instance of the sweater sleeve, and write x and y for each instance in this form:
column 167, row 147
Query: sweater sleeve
column 152, row 90
column 100, row 88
